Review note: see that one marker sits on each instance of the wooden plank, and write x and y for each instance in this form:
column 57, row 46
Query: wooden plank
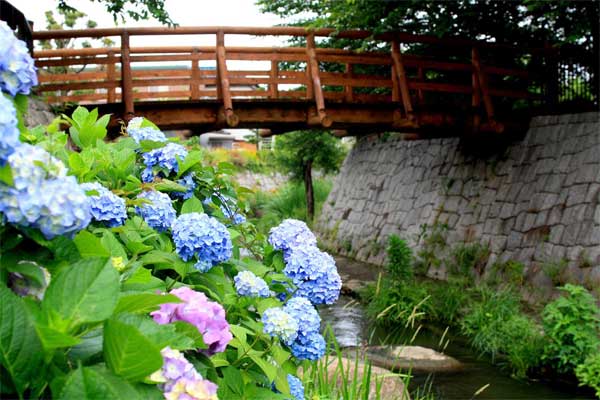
column 160, row 73
column 266, row 57
column 363, row 59
column 395, row 86
column 45, row 77
column 348, row 88
column 274, row 74
column 111, row 76
column 65, row 62
column 483, row 84
column 371, row 81
column 51, row 87
column 79, row 98
column 402, row 80
column 317, row 90
column 249, row 93
column 170, row 82
column 182, row 94
column 230, row 117
column 195, row 81
column 126, row 78
column 421, row 78
column 440, row 87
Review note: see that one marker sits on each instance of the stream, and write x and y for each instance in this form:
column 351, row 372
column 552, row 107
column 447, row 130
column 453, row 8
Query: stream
column 351, row 328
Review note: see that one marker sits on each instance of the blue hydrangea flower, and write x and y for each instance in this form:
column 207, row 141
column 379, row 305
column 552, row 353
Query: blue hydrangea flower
column 26, row 163
column 190, row 185
column 165, row 159
column 60, row 206
column 314, row 273
column 323, row 290
column 146, row 133
column 43, row 196
column 311, row 347
column 234, row 216
column 281, row 324
column 202, row 237
column 17, row 70
column 9, row 134
column 291, row 234
column 305, row 313
column 296, row 387
column 248, row 284
column 159, row 213
column 106, row 206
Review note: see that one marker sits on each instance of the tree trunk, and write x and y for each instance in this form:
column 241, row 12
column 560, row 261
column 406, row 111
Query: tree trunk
column 308, row 190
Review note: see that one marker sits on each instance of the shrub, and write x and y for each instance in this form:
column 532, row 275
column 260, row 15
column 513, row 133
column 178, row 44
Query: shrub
column 588, row 373
column 399, row 259
column 448, row 300
column 496, row 327
column 467, row 260
column 400, row 302
column 572, row 327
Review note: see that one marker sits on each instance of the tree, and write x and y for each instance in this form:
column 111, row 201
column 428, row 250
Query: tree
column 134, row 9
column 301, row 151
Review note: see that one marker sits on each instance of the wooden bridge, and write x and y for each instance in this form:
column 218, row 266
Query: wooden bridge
column 440, row 87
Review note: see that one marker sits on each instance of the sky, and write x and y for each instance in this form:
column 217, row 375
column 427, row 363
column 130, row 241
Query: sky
column 183, row 12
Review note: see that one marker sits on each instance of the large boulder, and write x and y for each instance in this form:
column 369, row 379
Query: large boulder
column 416, row 358
column 391, row 387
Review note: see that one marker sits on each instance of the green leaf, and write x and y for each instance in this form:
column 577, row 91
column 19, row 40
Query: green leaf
column 263, row 304
column 112, row 245
column 194, row 157
column 192, row 205
column 281, row 382
column 160, row 335
column 29, row 270
column 21, row 351
column 53, row 339
column 233, row 379
column 166, row 185
column 143, row 280
column 21, row 102
column 87, row 291
column 6, row 176
column 143, row 303
column 269, row 369
column 128, row 353
column 191, row 332
column 89, row 245
column 94, row 383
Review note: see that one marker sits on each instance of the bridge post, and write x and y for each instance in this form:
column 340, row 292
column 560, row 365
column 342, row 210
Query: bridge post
column 126, row 78
column 313, row 66
column 111, row 77
column 223, row 78
column 195, row 76
column 348, row 89
column 273, row 91
column 485, row 92
column 402, row 81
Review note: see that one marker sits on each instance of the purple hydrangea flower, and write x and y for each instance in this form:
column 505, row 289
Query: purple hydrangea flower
column 202, row 237
column 279, row 323
column 248, row 284
column 188, row 182
column 159, row 213
column 305, row 313
column 25, row 286
column 17, row 70
column 163, row 159
column 311, row 347
column 178, row 378
column 146, row 133
column 291, row 234
column 207, row 316
column 296, row 387
column 9, row 134
column 106, row 206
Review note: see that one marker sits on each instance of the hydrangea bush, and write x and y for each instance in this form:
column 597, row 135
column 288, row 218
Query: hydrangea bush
column 128, row 270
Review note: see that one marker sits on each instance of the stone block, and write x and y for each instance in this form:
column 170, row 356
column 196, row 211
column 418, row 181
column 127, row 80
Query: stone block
column 514, row 241
column 569, row 237
column 577, row 194
column 555, row 216
column 556, row 234
column 529, row 221
column 593, row 194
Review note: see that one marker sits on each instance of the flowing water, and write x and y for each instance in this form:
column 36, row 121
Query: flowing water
column 351, row 328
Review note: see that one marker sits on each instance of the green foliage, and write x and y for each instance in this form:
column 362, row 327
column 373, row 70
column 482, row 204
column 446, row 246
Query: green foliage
column 572, row 327
column 287, row 202
column 294, row 150
column 468, row 260
column 432, row 242
column 400, row 259
column 588, row 373
column 90, row 335
column 448, row 301
column 134, row 9
column 397, row 303
column 508, row 272
column 496, row 327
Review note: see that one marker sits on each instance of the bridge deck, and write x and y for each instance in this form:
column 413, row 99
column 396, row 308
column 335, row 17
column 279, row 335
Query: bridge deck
column 455, row 86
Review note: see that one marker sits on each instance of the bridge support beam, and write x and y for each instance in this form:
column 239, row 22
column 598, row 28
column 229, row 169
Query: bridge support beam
column 231, row 119
column 126, row 78
column 313, row 65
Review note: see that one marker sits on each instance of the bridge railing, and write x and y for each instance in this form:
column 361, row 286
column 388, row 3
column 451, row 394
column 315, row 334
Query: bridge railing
column 459, row 74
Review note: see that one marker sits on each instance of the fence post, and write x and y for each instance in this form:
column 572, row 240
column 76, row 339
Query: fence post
column 313, row 65
column 230, row 117
column 273, row 88
column 126, row 78
column 402, row 80
column 111, row 77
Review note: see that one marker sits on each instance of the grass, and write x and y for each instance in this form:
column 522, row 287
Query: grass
column 287, row 202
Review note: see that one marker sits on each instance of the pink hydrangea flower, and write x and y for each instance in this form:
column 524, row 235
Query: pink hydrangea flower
column 208, row 316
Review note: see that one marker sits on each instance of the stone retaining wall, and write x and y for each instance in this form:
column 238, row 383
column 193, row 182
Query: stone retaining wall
column 536, row 200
